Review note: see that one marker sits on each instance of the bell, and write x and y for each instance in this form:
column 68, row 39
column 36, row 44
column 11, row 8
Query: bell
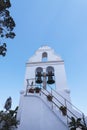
column 50, row 78
column 38, row 78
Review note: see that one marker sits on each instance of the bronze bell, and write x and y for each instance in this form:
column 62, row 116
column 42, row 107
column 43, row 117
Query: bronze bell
column 50, row 78
column 38, row 78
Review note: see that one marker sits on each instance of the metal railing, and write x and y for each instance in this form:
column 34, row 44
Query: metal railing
column 58, row 103
column 71, row 112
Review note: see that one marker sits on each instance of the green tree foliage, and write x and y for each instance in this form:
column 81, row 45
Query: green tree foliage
column 77, row 123
column 8, row 119
column 7, row 24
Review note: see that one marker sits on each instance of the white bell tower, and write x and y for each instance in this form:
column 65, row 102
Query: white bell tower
column 51, row 68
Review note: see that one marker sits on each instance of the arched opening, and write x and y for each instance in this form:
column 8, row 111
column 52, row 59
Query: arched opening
column 38, row 75
column 50, row 75
column 44, row 56
column 39, row 69
column 50, row 69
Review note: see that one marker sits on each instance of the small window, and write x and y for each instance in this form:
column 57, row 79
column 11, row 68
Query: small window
column 44, row 57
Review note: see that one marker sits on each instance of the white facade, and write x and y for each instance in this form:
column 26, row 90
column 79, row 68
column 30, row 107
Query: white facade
column 52, row 60
column 35, row 111
column 37, row 115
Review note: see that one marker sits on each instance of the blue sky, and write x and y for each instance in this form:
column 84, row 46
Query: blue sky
column 60, row 24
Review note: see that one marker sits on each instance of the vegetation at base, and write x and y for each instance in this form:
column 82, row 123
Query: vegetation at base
column 76, row 123
column 8, row 120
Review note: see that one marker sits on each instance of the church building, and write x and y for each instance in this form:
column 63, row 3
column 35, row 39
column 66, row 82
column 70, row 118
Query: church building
column 45, row 102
